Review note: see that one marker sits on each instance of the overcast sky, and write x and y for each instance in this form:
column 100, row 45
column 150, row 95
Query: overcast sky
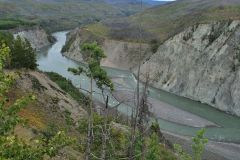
column 164, row 0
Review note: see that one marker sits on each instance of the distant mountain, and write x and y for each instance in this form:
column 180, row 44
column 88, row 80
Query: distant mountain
column 163, row 21
column 145, row 2
column 67, row 14
column 171, row 18
column 153, row 3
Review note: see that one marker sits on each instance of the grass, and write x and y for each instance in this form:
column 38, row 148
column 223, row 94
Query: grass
column 99, row 29
column 34, row 119
column 13, row 23
column 32, row 112
column 69, row 88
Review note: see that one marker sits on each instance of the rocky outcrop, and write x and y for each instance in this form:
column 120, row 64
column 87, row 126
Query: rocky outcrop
column 201, row 63
column 119, row 54
column 36, row 36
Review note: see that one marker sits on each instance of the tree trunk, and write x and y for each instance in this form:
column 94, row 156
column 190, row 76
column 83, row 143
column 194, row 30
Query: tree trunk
column 90, row 123
column 143, row 115
column 104, row 136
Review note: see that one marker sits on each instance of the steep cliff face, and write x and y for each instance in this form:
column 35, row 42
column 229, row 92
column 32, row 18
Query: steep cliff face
column 36, row 35
column 201, row 63
column 119, row 54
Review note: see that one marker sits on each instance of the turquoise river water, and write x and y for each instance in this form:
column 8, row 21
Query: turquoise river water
column 51, row 59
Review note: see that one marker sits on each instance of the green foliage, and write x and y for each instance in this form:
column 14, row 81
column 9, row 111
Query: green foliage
column 180, row 153
column 68, row 44
column 154, row 149
column 59, row 141
column 93, row 54
column 75, row 71
column 5, row 80
column 117, row 138
column 68, row 118
column 8, row 115
column 157, row 151
column 6, row 37
column 199, row 143
column 68, row 87
column 22, row 54
column 12, row 148
column 154, row 44
column 198, row 146
column 6, row 24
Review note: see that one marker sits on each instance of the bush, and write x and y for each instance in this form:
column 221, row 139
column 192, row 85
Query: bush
column 154, row 44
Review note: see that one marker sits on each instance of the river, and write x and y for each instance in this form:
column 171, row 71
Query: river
column 175, row 114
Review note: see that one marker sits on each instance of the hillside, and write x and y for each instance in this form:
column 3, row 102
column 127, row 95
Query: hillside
column 61, row 15
column 164, row 21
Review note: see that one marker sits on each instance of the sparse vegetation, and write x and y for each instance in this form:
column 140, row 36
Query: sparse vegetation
column 154, row 45
column 163, row 22
column 6, row 24
column 11, row 147
column 198, row 146
column 68, row 44
column 62, row 15
column 69, row 88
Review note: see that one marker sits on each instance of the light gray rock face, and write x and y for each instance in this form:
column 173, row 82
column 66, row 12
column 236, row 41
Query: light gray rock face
column 119, row 54
column 36, row 36
column 201, row 63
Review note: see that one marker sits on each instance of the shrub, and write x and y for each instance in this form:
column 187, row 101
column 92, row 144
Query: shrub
column 154, row 44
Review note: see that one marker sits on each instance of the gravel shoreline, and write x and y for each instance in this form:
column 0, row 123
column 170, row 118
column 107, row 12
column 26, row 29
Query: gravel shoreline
column 213, row 151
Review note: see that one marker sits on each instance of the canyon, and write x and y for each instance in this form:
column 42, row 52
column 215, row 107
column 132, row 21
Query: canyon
column 200, row 63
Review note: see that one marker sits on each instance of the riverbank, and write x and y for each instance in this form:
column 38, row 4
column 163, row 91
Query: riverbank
column 220, row 126
column 213, row 151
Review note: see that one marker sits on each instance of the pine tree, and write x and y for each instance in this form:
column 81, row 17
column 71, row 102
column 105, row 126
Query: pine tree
column 22, row 54
column 93, row 54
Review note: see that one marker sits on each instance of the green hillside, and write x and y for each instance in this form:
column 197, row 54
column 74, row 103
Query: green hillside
column 65, row 14
column 162, row 22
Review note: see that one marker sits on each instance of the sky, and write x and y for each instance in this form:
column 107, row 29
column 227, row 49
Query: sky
column 164, row 0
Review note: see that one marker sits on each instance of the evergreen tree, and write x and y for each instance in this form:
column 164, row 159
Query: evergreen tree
column 7, row 38
column 22, row 54
column 93, row 54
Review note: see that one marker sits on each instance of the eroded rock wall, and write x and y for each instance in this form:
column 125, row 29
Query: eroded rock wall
column 120, row 54
column 201, row 63
column 36, row 36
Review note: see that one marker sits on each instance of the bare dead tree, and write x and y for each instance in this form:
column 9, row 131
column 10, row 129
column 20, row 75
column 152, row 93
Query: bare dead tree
column 90, row 123
column 104, row 134
column 135, row 112
column 143, row 116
